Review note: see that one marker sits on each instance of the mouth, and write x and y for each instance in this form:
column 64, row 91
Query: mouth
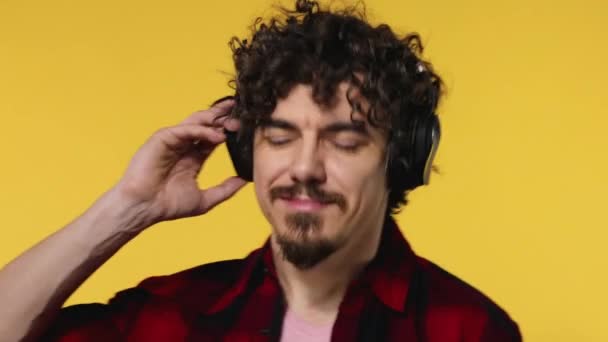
column 303, row 204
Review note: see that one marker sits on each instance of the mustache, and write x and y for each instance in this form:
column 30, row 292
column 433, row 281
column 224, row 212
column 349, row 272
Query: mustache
column 312, row 190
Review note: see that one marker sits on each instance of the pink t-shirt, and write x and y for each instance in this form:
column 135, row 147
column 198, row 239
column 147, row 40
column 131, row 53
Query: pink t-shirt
column 296, row 329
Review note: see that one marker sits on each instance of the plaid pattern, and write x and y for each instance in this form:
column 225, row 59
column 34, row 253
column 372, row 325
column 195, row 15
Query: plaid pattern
column 398, row 297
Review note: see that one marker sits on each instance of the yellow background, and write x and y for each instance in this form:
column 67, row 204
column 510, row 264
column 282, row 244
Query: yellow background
column 518, row 211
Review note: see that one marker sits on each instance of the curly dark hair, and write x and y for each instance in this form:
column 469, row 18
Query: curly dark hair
column 322, row 48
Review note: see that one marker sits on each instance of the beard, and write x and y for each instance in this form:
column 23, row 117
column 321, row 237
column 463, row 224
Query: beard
column 298, row 245
column 302, row 251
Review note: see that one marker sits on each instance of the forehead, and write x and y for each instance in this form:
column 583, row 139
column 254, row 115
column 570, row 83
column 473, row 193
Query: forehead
column 300, row 109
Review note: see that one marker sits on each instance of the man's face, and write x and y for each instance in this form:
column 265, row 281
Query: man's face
column 319, row 177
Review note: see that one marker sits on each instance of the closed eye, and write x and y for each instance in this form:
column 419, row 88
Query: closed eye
column 348, row 141
column 348, row 147
column 278, row 141
column 276, row 136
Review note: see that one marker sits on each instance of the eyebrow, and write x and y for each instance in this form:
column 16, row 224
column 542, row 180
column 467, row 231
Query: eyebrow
column 278, row 123
column 358, row 127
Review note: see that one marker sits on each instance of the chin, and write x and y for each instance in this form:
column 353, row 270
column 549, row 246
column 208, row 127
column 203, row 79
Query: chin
column 303, row 252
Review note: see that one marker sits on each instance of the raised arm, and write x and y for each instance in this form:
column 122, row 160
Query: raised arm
column 159, row 184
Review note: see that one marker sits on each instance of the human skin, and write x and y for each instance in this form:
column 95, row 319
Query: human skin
column 160, row 184
column 317, row 144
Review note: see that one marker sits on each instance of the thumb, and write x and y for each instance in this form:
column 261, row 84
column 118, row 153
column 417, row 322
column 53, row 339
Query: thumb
column 219, row 193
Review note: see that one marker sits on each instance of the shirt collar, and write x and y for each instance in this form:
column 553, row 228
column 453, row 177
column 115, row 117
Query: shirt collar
column 388, row 274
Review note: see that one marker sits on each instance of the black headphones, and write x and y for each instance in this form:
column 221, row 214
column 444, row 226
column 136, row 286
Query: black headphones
column 414, row 161
column 411, row 160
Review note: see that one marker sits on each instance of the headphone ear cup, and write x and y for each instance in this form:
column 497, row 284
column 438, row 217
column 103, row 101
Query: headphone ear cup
column 411, row 155
column 241, row 153
column 239, row 147
column 426, row 136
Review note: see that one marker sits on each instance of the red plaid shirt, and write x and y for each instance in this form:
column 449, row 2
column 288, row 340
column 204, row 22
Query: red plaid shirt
column 398, row 297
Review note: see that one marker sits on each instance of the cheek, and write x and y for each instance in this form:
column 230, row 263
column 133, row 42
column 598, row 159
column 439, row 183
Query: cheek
column 360, row 181
column 262, row 179
column 267, row 168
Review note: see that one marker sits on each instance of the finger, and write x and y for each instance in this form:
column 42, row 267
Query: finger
column 219, row 193
column 183, row 137
column 232, row 124
column 214, row 116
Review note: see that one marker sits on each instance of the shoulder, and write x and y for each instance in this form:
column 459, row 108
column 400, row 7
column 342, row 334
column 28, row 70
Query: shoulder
column 452, row 301
column 204, row 287
column 159, row 298
column 202, row 282
column 446, row 289
column 213, row 277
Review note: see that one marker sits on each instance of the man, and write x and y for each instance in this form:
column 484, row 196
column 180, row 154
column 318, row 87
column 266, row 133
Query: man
column 336, row 124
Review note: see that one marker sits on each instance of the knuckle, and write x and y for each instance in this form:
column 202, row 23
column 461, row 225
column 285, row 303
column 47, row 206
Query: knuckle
column 161, row 131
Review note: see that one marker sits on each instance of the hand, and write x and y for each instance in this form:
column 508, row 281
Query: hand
column 162, row 175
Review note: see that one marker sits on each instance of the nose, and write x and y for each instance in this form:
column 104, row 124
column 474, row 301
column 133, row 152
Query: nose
column 308, row 165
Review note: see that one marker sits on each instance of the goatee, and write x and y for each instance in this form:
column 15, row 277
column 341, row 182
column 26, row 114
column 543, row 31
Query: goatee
column 302, row 251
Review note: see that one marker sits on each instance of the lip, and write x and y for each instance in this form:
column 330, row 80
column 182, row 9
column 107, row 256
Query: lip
column 303, row 204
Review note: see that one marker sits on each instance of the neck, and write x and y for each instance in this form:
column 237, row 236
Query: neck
column 316, row 293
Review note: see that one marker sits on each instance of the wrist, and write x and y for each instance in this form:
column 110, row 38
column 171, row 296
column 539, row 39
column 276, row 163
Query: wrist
column 120, row 214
